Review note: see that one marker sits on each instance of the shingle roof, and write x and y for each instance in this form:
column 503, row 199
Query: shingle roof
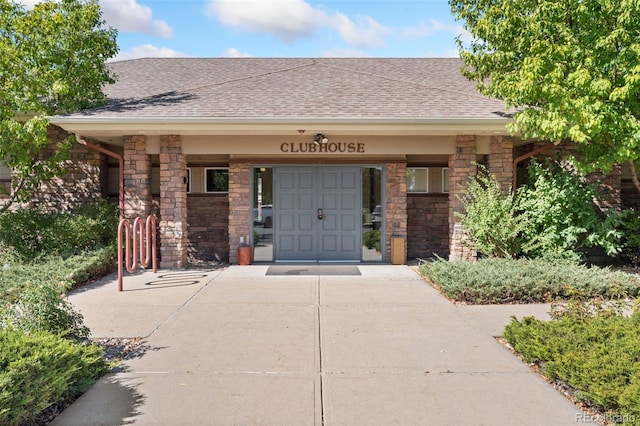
column 344, row 88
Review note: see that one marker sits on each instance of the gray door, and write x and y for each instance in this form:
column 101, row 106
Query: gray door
column 317, row 213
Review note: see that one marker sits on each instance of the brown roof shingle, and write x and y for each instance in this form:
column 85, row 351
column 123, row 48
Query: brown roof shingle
column 341, row 88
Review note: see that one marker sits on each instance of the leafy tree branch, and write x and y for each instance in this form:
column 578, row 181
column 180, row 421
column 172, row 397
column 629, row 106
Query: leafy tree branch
column 52, row 61
column 569, row 69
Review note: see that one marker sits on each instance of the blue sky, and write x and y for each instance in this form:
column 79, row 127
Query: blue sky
column 282, row 28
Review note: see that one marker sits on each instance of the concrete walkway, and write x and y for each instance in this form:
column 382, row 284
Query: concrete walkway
column 238, row 347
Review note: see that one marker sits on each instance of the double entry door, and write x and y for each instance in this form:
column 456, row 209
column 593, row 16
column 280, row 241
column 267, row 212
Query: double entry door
column 318, row 213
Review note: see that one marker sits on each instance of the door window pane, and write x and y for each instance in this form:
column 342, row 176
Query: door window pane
column 372, row 214
column 262, row 214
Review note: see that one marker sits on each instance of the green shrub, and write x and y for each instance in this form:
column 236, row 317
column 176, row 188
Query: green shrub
column 490, row 216
column 73, row 271
column 630, row 230
column 495, row 280
column 39, row 369
column 561, row 217
column 552, row 217
column 33, row 233
column 372, row 239
column 43, row 307
column 597, row 355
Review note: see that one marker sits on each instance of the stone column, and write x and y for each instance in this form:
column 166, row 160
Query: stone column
column 137, row 178
column 500, row 162
column 173, row 203
column 396, row 205
column 239, row 207
column 461, row 167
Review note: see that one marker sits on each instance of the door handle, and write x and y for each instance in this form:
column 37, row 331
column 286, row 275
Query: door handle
column 320, row 214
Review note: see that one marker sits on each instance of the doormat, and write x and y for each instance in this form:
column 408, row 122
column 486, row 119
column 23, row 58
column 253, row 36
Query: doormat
column 313, row 270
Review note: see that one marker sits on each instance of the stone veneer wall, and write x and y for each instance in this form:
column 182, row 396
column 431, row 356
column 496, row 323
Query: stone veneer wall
column 173, row 203
column 81, row 183
column 239, row 202
column 500, row 161
column 396, row 204
column 208, row 217
column 461, row 166
column 427, row 226
column 137, row 178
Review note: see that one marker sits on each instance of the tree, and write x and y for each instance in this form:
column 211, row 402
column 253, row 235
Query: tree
column 570, row 69
column 52, row 61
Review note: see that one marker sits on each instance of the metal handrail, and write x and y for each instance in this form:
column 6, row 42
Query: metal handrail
column 138, row 247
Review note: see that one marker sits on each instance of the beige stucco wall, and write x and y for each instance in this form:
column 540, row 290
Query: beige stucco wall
column 344, row 146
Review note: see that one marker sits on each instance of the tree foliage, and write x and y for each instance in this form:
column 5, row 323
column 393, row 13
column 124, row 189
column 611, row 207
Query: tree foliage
column 52, row 61
column 571, row 70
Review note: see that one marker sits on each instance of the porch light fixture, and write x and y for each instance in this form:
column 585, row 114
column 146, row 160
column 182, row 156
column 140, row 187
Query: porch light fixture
column 320, row 138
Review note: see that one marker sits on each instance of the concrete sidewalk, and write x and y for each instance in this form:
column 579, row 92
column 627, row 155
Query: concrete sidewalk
column 237, row 347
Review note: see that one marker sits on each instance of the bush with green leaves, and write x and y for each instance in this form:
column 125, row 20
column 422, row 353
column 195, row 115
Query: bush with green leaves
column 372, row 239
column 32, row 233
column 72, row 270
column 497, row 280
column 490, row 216
column 561, row 218
column 630, row 230
column 39, row 369
column 596, row 354
column 44, row 307
column 553, row 216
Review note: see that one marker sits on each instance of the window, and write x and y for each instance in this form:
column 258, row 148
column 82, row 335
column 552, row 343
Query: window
column 216, row 180
column 445, row 179
column 417, row 179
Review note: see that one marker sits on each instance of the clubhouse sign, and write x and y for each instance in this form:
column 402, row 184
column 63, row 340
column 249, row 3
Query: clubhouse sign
column 323, row 148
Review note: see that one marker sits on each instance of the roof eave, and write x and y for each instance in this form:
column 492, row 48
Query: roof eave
column 122, row 126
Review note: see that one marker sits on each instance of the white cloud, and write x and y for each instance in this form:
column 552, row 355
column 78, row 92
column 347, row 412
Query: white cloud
column 127, row 16
column 427, row 30
column 130, row 16
column 287, row 20
column 290, row 20
column 232, row 52
column 366, row 32
column 148, row 51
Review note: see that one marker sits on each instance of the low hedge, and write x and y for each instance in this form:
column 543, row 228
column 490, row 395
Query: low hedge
column 72, row 271
column 40, row 369
column 496, row 280
column 598, row 357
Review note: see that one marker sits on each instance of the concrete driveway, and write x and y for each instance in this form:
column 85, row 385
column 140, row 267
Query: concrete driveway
column 240, row 347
